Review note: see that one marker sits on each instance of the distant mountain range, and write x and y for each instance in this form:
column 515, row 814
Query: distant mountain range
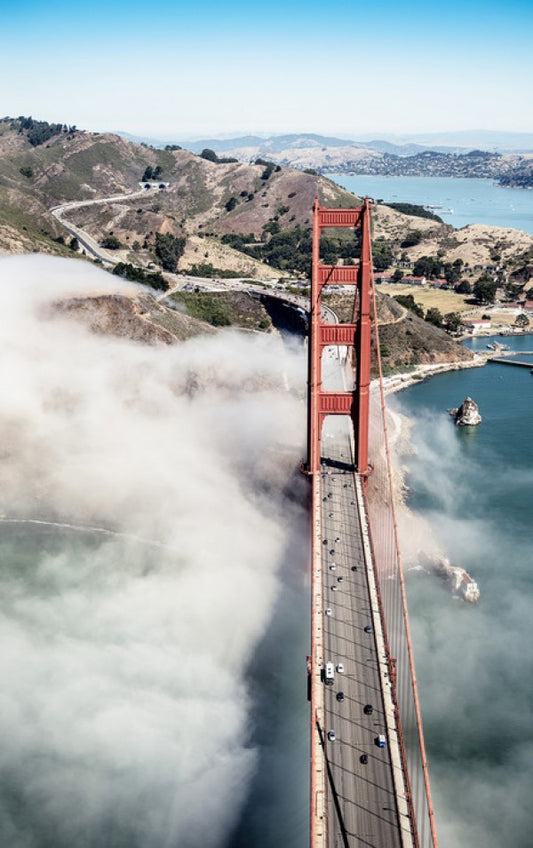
column 280, row 143
column 402, row 157
column 492, row 140
column 460, row 141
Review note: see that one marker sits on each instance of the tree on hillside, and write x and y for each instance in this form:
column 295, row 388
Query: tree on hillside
column 452, row 272
column 452, row 321
column 209, row 154
column 434, row 316
column 148, row 174
column 485, row 289
column 412, row 238
column 464, row 287
column 427, row 266
column 414, row 209
column 381, row 256
column 169, row 249
column 37, row 132
column 409, row 302
column 521, row 320
column 111, row 243
column 139, row 275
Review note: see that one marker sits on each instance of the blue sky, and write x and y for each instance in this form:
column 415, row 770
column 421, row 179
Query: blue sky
column 174, row 70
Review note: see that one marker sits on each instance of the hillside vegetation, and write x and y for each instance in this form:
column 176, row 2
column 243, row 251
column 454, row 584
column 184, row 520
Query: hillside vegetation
column 211, row 216
column 205, row 214
column 199, row 199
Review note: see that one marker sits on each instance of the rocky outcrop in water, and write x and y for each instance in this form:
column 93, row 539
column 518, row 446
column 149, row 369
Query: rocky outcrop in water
column 467, row 415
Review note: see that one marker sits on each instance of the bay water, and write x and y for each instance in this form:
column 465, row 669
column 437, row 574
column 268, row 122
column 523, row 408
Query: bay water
column 474, row 488
column 458, row 201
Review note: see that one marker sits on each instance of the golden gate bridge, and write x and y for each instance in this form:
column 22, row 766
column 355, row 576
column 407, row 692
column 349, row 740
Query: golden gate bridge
column 369, row 781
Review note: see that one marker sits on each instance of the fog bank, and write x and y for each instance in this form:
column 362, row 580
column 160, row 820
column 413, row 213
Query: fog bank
column 474, row 662
column 125, row 712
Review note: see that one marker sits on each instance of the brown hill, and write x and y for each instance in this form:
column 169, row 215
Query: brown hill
column 202, row 201
column 199, row 197
column 137, row 317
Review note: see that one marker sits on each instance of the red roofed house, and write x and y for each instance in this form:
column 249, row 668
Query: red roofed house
column 409, row 280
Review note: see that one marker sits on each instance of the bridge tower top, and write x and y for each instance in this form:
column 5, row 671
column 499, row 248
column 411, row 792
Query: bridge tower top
column 355, row 335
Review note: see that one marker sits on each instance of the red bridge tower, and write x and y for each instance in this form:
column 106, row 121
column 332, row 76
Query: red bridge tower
column 355, row 335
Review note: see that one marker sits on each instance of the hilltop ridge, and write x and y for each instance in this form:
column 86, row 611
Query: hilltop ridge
column 507, row 158
column 198, row 195
column 204, row 214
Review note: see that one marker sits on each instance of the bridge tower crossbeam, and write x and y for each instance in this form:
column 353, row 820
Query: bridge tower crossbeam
column 355, row 335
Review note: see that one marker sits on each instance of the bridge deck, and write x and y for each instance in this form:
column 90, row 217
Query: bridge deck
column 365, row 802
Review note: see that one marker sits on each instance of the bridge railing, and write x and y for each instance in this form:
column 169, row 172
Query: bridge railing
column 388, row 567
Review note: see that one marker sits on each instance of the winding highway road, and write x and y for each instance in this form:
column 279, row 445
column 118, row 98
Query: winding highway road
column 90, row 244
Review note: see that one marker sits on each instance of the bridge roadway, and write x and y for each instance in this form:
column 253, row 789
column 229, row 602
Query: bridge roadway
column 366, row 805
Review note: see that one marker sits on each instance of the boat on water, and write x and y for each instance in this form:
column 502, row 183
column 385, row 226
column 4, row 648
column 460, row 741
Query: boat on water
column 497, row 346
column 457, row 580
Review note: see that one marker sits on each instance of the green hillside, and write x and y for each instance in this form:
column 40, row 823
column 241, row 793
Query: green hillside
column 44, row 165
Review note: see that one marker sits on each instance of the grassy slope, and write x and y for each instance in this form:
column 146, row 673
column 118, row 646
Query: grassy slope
column 89, row 165
column 92, row 165
column 224, row 309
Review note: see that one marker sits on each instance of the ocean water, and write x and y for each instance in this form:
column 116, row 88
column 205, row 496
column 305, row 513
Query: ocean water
column 473, row 201
column 474, row 487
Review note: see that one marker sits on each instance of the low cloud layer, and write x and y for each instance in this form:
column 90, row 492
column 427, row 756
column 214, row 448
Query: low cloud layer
column 124, row 711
